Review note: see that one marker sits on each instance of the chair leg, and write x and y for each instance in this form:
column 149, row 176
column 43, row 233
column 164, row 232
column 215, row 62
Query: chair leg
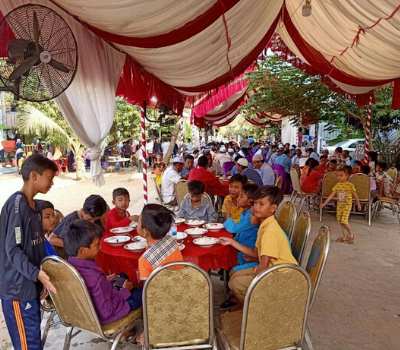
column 309, row 339
column 68, row 336
column 301, row 204
column 47, row 327
column 116, row 341
column 320, row 212
column 369, row 214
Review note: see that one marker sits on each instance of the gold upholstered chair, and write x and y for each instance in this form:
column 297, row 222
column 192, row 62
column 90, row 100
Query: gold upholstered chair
column 286, row 217
column 315, row 267
column 300, row 235
column 181, row 190
column 274, row 314
column 297, row 192
column 74, row 305
column 59, row 216
column 392, row 172
column 178, row 308
column 362, row 184
column 329, row 181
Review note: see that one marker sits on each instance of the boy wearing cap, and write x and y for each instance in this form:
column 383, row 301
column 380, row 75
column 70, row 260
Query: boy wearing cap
column 266, row 172
column 252, row 175
column 170, row 178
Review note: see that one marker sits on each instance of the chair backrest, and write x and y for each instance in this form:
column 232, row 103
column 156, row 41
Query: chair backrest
column 317, row 259
column 279, row 182
column 205, row 195
column 329, row 181
column 297, row 168
column 286, row 217
column 362, row 184
column 341, row 166
column 181, row 190
column 159, row 195
column 275, row 309
column 72, row 301
column 392, row 172
column 295, row 177
column 178, row 306
column 227, row 166
column 59, row 216
column 300, row 235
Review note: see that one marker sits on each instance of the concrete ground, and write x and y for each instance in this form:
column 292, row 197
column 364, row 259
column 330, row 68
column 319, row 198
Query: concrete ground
column 358, row 302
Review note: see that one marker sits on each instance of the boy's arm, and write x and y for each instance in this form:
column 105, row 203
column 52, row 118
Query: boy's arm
column 55, row 240
column 263, row 265
column 182, row 211
column 355, row 195
column 328, row 199
column 252, row 252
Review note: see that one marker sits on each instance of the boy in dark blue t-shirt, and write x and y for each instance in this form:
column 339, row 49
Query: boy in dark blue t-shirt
column 22, row 248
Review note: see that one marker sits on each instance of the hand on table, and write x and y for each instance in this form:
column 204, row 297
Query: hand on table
column 225, row 240
column 134, row 218
column 128, row 285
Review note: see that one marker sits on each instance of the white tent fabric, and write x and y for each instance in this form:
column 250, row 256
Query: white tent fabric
column 89, row 104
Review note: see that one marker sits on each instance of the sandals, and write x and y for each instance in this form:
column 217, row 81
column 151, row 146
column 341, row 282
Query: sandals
column 342, row 240
column 351, row 240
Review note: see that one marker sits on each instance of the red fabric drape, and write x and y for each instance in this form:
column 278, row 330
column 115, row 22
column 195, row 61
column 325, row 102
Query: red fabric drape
column 6, row 35
column 176, row 36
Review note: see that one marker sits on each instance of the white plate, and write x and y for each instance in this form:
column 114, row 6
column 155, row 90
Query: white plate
column 205, row 242
column 195, row 223
column 181, row 246
column 179, row 221
column 121, row 230
column 117, row 241
column 196, row 232
column 180, row 235
column 135, row 246
column 139, row 239
column 214, row 226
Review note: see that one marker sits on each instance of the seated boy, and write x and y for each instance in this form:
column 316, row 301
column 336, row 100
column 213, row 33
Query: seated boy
column 332, row 166
column 93, row 209
column 119, row 216
column 82, row 243
column 154, row 223
column 195, row 206
column 323, row 160
column 246, row 232
column 357, row 167
column 272, row 245
column 235, row 186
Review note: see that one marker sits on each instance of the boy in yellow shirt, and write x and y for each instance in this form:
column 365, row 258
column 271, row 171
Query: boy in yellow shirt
column 235, row 187
column 272, row 245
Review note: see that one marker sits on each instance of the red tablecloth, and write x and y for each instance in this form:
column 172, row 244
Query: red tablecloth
column 117, row 259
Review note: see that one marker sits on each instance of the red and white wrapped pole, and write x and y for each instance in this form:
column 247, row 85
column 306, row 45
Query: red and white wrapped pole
column 368, row 130
column 181, row 135
column 143, row 112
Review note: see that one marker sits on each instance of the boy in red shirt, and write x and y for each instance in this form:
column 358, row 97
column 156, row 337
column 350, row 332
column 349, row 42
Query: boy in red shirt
column 323, row 164
column 119, row 216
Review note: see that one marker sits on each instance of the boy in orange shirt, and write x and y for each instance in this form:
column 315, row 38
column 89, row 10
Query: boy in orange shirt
column 154, row 224
column 119, row 216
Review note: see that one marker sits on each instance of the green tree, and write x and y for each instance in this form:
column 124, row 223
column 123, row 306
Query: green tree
column 126, row 121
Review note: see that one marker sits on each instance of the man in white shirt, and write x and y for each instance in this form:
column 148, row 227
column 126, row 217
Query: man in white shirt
column 202, row 142
column 231, row 153
column 266, row 172
column 222, row 157
column 170, row 178
column 189, row 146
column 164, row 147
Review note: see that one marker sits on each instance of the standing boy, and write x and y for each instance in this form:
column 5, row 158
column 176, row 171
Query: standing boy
column 22, row 248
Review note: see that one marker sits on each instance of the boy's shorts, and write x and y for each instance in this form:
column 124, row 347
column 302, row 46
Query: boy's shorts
column 240, row 282
column 23, row 323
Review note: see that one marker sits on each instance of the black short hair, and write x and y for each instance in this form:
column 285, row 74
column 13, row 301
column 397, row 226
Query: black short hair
column 273, row 193
column 95, row 206
column 157, row 219
column 310, row 149
column 202, row 162
column 324, row 156
column 333, row 161
column 39, row 163
column 196, row 151
column 238, row 157
column 358, row 162
column 196, row 187
column 120, row 191
column 365, row 169
column 81, row 233
column 286, row 151
column 188, row 156
column 250, row 190
column 238, row 178
column 347, row 169
column 382, row 165
column 42, row 205
column 339, row 149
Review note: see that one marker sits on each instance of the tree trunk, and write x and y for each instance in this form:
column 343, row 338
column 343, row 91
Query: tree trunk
column 173, row 141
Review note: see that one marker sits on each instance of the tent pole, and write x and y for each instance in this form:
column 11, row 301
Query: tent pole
column 143, row 112
column 368, row 130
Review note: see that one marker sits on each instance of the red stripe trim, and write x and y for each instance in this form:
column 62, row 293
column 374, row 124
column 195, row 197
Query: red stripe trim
column 20, row 325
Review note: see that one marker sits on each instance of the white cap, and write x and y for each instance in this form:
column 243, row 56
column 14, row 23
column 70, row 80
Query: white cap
column 243, row 162
column 222, row 149
column 231, row 150
column 178, row 160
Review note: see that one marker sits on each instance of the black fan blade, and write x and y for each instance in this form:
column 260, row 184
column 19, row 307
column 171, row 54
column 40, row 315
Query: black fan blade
column 16, row 49
column 23, row 68
column 59, row 66
column 36, row 30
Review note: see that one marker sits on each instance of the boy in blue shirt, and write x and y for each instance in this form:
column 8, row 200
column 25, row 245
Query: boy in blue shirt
column 22, row 248
column 246, row 231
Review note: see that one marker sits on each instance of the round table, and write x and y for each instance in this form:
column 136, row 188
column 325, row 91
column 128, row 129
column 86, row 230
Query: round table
column 117, row 259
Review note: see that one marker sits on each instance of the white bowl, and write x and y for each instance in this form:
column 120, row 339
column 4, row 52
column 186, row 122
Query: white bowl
column 135, row 246
column 214, row 226
column 121, row 230
column 196, row 232
column 181, row 246
column 133, row 224
column 206, row 242
column 195, row 223
column 117, row 241
column 179, row 221
column 180, row 235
